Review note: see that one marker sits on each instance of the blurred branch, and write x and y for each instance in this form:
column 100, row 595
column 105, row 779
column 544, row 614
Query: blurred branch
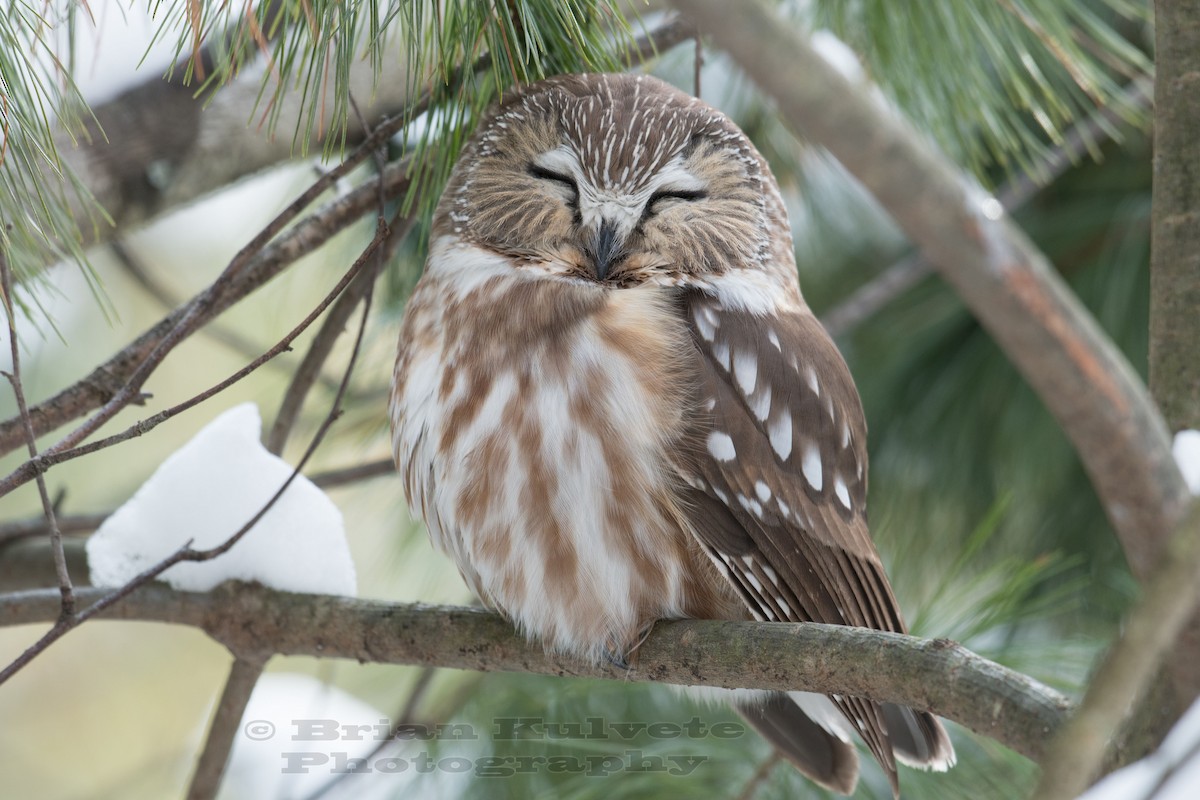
column 1042, row 327
column 28, row 564
column 159, row 146
column 335, row 322
column 936, row 675
column 406, row 717
column 24, row 528
column 1077, row 752
column 227, row 721
column 902, row 275
column 341, row 477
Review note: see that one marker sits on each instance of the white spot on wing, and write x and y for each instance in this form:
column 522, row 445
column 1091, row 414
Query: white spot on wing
column 745, row 370
column 773, row 338
column 763, row 491
column 781, row 434
column 761, row 403
column 811, row 467
column 811, row 375
column 751, row 505
column 720, row 446
column 721, row 354
column 703, row 324
column 845, row 435
column 843, row 494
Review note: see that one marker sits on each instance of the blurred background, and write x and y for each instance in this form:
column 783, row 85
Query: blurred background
column 987, row 524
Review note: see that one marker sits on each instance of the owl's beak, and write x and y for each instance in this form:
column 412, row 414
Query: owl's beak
column 606, row 251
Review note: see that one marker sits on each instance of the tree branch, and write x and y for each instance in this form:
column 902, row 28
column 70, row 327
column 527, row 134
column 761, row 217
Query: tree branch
column 936, row 675
column 227, row 721
column 905, row 273
column 1149, row 632
column 1175, row 230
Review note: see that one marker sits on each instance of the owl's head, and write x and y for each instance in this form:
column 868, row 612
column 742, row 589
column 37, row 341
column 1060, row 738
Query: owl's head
column 617, row 179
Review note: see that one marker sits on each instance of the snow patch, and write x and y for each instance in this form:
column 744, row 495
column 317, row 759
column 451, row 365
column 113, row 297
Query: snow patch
column 838, row 54
column 206, row 491
column 291, row 738
column 1187, row 455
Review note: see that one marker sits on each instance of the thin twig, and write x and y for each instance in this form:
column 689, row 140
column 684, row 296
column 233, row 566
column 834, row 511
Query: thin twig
column 14, row 378
column 186, row 552
column 25, row 528
column 340, row 477
column 867, row 300
column 756, row 781
column 201, row 308
column 229, row 337
column 227, row 720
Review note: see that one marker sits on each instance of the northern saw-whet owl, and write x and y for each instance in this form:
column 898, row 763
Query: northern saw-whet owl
column 611, row 404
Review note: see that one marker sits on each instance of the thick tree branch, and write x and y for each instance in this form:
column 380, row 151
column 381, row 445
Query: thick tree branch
column 1175, row 230
column 937, row 675
column 1175, row 250
column 905, row 273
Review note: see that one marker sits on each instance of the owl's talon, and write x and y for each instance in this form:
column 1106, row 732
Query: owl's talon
column 617, row 660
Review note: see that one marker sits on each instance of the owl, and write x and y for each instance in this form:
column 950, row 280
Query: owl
column 611, row 404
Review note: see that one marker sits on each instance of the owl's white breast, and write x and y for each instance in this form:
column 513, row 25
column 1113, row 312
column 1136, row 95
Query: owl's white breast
column 531, row 420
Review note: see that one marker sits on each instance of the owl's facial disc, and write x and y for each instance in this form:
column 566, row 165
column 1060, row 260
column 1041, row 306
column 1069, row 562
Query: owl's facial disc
column 609, row 214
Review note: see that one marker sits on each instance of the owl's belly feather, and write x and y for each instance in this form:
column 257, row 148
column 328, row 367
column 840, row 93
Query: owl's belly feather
column 532, row 421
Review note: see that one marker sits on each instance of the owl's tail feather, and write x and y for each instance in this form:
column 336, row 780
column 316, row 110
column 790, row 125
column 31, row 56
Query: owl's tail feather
column 918, row 739
column 817, row 753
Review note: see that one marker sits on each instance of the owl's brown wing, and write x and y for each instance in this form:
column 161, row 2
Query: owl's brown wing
column 778, row 477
